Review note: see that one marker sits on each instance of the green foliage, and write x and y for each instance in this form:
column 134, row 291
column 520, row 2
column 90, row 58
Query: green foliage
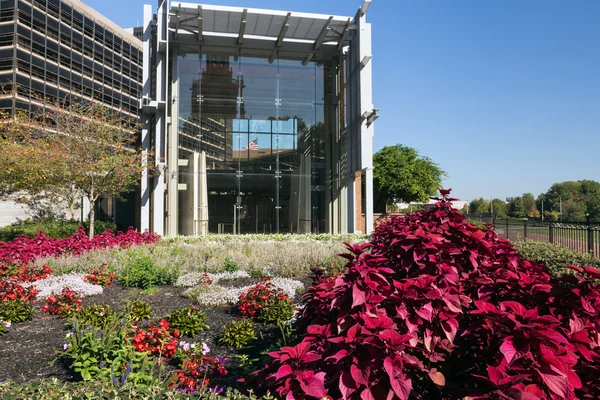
column 576, row 199
column 54, row 228
column 95, row 315
column 401, row 174
column 139, row 310
column 276, row 311
column 230, row 266
column 189, row 321
column 238, row 333
column 16, row 311
column 555, row 257
column 139, row 270
column 106, row 354
column 98, row 390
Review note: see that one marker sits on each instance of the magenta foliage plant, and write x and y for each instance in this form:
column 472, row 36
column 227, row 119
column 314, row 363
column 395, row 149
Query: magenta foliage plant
column 24, row 249
column 436, row 308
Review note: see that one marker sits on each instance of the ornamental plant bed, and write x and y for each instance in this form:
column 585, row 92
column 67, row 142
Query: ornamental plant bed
column 28, row 347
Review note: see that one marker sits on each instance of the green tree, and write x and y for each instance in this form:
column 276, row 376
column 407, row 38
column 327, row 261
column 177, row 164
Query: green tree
column 479, row 206
column 400, row 174
column 576, row 199
column 500, row 208
column 83, row 148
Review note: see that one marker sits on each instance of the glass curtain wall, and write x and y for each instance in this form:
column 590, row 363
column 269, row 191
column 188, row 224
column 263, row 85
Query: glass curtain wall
column 267, row 129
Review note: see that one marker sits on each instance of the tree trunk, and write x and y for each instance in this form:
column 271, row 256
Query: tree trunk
column 91, row 217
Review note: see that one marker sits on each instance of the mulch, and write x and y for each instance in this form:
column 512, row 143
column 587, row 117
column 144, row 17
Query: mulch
column 28, row 347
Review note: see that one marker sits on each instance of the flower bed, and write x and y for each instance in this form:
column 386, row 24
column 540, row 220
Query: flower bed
column 24, row 249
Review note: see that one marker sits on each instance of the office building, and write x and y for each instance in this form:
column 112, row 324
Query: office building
column 260, row 121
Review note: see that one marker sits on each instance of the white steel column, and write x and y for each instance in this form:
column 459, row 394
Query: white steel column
column 366, row 101
column 146, row 93
column 158, row 196
column 173, row 152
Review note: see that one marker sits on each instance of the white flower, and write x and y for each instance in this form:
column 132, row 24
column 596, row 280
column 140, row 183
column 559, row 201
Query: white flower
column 66, row 346
column 57, row 283
column 69, row 334
column 205, row 349
column 7, row 324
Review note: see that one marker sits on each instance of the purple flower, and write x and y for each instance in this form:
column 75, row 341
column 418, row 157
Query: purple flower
column 217, row 390
column 102, row 363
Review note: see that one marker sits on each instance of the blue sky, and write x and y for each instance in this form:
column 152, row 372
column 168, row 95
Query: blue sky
column 504, row 95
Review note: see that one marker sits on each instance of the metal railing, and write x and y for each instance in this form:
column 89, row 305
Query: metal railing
column 582, row 237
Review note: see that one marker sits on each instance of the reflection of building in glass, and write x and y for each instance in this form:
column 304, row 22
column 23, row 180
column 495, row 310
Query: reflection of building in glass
column 279, row 103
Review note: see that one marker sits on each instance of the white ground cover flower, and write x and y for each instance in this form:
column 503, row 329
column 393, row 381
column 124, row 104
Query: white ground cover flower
column 216, row 295
column 56, row 284
column 191, row 279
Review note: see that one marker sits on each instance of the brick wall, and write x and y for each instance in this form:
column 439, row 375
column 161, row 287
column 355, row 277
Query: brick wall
column 359, row 217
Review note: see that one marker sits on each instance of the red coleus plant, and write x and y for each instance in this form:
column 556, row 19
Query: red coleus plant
column 255, row 298
column 11, row 290
column 158, row 340
column 64, row 303
column 435, row 308
column 100, row 277
column 25, row 249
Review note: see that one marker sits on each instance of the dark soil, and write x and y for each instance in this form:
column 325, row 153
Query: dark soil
column 28, row 347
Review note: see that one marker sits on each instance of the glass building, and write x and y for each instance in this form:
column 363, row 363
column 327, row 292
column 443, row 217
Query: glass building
column 259, row 121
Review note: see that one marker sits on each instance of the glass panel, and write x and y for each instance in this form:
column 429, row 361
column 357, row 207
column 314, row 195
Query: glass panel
column 266, row 128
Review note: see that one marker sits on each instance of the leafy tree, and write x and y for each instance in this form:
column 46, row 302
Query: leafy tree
column 575, row 198
column 479, row 206
column 400, row 174
column 83, row 149
column 530, row 205
column 500, row 208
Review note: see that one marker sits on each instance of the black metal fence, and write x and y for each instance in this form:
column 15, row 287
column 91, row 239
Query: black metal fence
column 581, row 237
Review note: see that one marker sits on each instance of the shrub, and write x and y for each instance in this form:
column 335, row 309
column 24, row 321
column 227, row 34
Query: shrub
column 229, row 266
column 100, row 277
column 238, row 333
column 95, row 315
column 189, row 321
column 276, row 311
column 105, row 353
column 53, row 228
column 157, row 340
column 11, row 290
column 254, row 302
column 16, row 311
column 139, row 310
column 4, row 325
column 140, row 271
column 196, row 369
column 24, row 249
column 29, row 273
column 65, row 303
column 555, row 257
column 437, row 308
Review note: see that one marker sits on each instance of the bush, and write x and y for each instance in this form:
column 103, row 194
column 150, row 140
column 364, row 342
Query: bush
column 100, row 277
column 189, row 321
column 24, row 250
column 238, row 333
column 66, row 303
column 4, row 325
column 95, row 315
column 555, row 257
column 276, row 311
column 265, row 302
column 11, row 290
column 29, row 273
column 139, row 310
column 441, row 309
column 16, row 311
column 52, row 228
column 158, row 340
column 197, row 369
column 139, row 270
column 105, row 353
